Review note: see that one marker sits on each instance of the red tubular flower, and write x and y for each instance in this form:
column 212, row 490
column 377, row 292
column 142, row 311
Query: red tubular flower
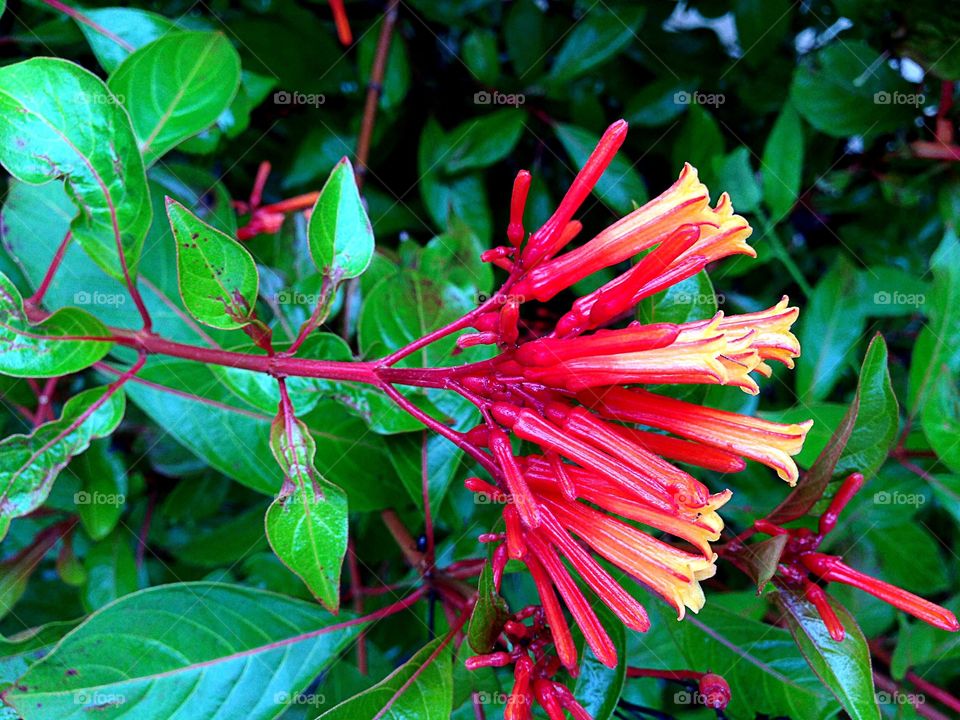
column 596, row 485
column 800, row 559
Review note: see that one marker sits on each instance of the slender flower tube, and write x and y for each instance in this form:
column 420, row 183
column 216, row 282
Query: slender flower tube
column 773, row 444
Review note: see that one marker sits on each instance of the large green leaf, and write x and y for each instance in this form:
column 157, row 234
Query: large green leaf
column 782, row 163
column 29, row 464
column 844, row 667
column 60, row 122
column 766, row 672
column 847, row 89
column 428, row 697
column 128, row 28
column 483, row 141
column 203, row 651
column 878, row 415
column 340, row 234
column 38, row 351
column 828, row 337
column 307, row 523
column 941, row 420
column 175, row 87
column 597, row 688
column 218, row 277
column 934, row 347
column 621, row 188
column 600, row 35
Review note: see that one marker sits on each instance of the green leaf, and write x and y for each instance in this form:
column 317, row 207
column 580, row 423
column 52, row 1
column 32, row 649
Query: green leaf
column 481, row 142
column 307, row 523
column 489, row 614
column 621, row 188
column 218, row 277
column 735, row 174
column 133, row 26
column 686, row 301
column 878, row 415
column 36, row 351
column 598, row 36
column 698, row 142
column 782, row 163
column 198, row 644
column 80, row 135
column 339, row 233
column 844, row 667
column 428, row 697
column 934, row 347
column 762, row 558
column 111, row 571
column 175, row 87
column 597, row 688
column 848, row 89
column 200, row 412
column 828, row 337
column 859, row 444
column 941, row 420
column 29, row 464
column 103, row 476
column 481, row 57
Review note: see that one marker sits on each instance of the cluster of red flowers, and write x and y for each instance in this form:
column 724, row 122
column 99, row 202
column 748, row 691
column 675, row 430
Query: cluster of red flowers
column 800, row 559
column 588, row 479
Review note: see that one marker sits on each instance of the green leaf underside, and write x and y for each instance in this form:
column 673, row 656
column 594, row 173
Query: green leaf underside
column 843, row 667
column 29, row 464
column 339, row 232
column 218, row 277
column 80, row 134
column 185, row 651
column 175, row 87
column 428, row 697
column 37, row 351
column 307, row 523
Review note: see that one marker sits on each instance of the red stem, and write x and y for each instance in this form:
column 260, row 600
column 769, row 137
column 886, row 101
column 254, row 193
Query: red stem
column 81, row 18
column 37, row 297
